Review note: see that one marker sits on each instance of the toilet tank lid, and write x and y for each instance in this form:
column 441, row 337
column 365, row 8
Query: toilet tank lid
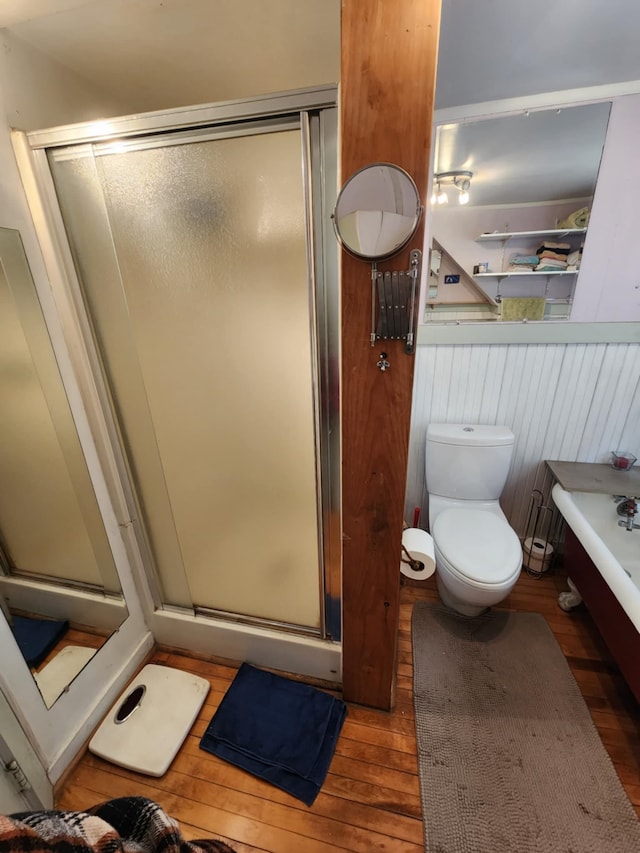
column 475, row 435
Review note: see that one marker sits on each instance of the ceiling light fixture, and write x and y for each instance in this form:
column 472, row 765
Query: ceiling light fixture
column 461, row 180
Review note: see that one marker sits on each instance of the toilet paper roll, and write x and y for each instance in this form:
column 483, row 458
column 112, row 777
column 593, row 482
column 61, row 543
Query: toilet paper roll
column 419, row 544
column 537, row 554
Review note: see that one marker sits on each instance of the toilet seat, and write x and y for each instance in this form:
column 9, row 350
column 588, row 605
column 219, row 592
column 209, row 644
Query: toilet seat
column 477, row 546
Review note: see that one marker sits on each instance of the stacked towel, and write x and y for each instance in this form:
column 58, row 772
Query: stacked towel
column 549, row 247
column 552, row 256
column 523, row 263
column 577, row 219
column 549, row 265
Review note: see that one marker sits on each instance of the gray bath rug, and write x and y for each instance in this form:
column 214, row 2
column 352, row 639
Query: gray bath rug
column 510, row 760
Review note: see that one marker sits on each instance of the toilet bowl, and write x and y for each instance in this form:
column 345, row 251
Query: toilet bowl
column 478, row 555
column 478, row 559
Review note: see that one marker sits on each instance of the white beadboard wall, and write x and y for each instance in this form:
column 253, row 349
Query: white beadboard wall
column 568, row 401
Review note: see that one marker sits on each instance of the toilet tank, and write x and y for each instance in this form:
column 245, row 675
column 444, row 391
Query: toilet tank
column 468, row 461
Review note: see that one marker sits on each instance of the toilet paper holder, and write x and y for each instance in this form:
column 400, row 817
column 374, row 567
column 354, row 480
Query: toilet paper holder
column 541, row 536
column 415, row 565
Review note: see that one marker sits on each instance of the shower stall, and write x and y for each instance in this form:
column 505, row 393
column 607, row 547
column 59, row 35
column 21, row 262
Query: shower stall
column 194, row 269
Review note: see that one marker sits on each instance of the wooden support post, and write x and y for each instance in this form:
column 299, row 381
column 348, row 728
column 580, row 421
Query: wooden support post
column 389, row 51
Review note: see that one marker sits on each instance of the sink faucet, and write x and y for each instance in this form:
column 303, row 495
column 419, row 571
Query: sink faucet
column 628, row 507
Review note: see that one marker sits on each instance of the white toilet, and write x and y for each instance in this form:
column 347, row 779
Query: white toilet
column 478, row 555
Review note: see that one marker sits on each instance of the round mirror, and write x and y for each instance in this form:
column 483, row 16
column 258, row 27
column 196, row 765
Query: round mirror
column 377, row 211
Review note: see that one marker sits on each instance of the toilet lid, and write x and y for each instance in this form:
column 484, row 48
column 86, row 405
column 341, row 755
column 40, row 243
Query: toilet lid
column 478, row 544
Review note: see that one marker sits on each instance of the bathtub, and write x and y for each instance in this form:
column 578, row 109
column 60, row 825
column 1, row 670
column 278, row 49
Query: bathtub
column 603, row 561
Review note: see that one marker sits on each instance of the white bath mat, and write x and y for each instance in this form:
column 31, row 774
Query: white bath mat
column 146, row 727
column 61, row 670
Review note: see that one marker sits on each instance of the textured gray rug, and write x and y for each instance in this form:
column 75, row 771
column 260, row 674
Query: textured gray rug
column 510, row 760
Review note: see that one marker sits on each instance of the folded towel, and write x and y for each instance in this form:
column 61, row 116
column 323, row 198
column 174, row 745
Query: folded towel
column 522, row 268
column 282, row 731
column 559, row 248
column 524, row 259
column 577, row 219
column 522, row 308
column 551, row 267
column 553, row 256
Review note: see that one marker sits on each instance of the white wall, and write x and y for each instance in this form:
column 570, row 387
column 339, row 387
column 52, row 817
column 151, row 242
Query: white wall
column 574, row 402
column 39, row 92
column 35, row 92
column 610, row 280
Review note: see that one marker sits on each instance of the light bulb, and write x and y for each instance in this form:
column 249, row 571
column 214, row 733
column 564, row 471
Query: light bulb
column 442, row 197
column 463, row 198
column 434, row 197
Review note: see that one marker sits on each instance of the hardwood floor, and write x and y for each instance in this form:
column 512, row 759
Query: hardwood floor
column 370, row 800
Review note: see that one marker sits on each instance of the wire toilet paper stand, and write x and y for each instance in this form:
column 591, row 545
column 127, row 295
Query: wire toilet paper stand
column 542, row 533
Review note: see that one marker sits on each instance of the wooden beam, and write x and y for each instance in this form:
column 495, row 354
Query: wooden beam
column 389, row 51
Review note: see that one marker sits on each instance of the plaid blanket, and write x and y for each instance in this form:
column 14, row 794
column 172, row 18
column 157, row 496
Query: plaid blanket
column 125, row 825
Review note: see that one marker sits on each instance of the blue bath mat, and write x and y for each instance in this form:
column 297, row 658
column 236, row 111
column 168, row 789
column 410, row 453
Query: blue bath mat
column 36, row 637
column 280, row 730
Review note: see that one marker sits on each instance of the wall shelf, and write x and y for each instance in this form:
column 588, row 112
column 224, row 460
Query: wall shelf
column 508, row 235
column 505, row 236
column 524, row 274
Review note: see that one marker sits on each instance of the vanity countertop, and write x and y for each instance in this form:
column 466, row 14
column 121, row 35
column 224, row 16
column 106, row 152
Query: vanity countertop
column 595, row 477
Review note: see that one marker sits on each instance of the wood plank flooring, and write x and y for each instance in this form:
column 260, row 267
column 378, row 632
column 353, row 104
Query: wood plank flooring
column 370, row 800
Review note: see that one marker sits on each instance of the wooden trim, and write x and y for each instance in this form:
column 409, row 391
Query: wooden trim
column 389, row 53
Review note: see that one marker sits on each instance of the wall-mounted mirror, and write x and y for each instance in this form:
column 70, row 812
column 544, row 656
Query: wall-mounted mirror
column 511, row 248
column 59, row 588
column 377, row 212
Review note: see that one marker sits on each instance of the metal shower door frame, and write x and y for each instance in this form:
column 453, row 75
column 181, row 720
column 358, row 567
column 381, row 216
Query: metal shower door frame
column 317, row 116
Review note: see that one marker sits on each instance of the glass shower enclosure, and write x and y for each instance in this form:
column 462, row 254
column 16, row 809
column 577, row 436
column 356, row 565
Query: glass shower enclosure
column 204, row 286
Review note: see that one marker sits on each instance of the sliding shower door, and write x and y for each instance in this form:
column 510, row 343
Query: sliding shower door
column 195, row 256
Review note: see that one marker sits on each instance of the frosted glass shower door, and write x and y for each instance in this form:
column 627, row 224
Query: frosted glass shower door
column 193, row 259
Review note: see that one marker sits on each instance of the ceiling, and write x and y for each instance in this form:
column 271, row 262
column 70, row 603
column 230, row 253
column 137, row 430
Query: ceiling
column 16, row 11
column 156, row 54
column 162, row 54
column 511, row 48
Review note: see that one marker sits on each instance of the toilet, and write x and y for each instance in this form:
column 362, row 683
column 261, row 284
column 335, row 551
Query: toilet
column 478, row 555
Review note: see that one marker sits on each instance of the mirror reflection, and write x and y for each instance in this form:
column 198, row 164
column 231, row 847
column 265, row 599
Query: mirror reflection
column 59, row 588
column 509, row 244
column 377, row 211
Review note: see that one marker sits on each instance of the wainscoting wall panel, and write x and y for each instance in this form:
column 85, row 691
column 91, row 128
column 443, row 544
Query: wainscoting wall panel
column 574, row 402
